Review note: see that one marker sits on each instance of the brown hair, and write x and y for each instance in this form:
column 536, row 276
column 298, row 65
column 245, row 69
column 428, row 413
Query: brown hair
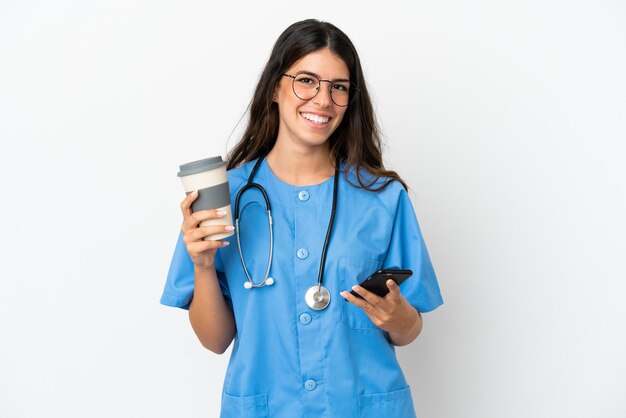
column 356, row 141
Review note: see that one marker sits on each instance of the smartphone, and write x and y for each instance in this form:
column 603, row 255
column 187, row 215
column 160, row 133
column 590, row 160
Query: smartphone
column 377, row 281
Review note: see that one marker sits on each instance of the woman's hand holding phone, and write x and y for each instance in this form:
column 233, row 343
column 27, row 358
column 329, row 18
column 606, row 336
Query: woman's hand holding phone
column 392, row 312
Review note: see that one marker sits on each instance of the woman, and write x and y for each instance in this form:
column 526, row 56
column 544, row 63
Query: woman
column 303, row 344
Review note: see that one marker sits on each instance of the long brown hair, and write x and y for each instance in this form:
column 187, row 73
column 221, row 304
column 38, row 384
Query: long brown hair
column 356, row 141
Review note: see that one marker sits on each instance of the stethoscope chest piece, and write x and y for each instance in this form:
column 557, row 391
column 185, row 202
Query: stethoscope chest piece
column 317, row 297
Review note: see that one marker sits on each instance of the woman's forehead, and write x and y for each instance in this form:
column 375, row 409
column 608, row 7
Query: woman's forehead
column 324, row 63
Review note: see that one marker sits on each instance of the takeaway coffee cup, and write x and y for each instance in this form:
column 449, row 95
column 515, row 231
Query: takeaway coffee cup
column 208, row 177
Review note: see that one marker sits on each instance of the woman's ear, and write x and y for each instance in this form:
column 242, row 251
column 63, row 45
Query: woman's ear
column 275, row 96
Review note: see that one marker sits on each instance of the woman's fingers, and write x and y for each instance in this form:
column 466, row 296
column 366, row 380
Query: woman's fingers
column 373, row 299
column 394, row 294
column 198, row 248
column 388, row 303
column 369, row 309
column 389, row 313
column 203, row 215
column 206, row 231
column 192, row 220
column 185, row 205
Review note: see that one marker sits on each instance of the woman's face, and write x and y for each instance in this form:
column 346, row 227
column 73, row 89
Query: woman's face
column 310, row 122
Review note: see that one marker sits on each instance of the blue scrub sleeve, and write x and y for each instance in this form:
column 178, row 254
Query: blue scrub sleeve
column 407, row 250
column 178, row 290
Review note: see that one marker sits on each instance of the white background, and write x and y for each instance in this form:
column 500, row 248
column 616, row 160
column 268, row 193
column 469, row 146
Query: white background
column 507, row 119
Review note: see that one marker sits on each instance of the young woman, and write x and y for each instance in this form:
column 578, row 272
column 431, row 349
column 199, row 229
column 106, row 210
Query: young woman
column 304, row 346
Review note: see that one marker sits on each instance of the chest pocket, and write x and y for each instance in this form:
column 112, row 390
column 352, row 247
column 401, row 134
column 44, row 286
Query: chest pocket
column 353, row 270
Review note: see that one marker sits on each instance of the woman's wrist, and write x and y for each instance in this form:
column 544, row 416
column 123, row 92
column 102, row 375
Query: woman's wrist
column 203, row 270
column 407, row 336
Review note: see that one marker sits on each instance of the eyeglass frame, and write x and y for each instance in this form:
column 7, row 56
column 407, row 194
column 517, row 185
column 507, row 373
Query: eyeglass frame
column 351, row 97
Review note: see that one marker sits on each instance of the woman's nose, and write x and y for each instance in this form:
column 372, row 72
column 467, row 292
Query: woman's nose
column 322, row 98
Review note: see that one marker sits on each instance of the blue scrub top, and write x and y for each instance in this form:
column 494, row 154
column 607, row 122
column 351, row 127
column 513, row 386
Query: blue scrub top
column 287, row 359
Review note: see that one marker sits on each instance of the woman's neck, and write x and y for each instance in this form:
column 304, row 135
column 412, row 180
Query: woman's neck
column 301, row 167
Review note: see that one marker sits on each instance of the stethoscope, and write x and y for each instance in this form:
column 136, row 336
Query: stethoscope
column 317, row 296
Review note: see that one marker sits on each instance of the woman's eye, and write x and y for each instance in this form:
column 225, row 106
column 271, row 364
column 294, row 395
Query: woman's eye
column 305, row 80
column 340, row 87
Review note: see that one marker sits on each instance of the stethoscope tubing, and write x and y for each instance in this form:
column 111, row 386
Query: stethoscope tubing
column 329, row 231
column 251, row 185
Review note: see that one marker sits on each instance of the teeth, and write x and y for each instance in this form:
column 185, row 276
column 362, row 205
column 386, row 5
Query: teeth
column 315, row 118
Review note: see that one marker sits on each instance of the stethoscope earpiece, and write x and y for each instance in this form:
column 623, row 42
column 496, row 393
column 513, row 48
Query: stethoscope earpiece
column 268, row 282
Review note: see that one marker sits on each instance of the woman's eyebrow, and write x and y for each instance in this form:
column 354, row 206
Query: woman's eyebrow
column 322, row 78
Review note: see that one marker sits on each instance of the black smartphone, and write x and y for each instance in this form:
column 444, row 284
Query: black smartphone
column 377, row 281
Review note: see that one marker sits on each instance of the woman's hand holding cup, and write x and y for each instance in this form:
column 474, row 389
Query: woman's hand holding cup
column 200, row 249
column 206, row 209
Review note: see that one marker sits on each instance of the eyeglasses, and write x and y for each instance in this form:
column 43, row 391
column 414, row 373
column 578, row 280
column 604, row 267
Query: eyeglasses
column 306, row 86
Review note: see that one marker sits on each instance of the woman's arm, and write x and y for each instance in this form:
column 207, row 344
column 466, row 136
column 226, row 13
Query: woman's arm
column 211, row 317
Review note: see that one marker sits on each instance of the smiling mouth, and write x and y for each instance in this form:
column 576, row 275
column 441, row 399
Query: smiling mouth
column 317, row 119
